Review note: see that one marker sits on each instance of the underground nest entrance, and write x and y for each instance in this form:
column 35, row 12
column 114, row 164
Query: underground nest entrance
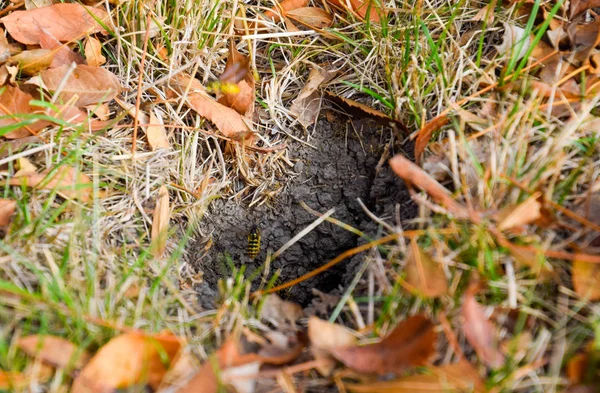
column 350, row 162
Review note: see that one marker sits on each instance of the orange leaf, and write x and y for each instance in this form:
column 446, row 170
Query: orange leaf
column 126, row 360
column 479, row 331
column 586, row 280
column 54, row 351
column 237, row 71
column 323, row 336
column 285, row 6
column 411, row 344
column 87, row 85
column 424, row 274
column 62, row 53
column 372, row 8
column 227, row 120
column 65, row 21
column 66, row 180
column 7, row 209
column 14, row 102
column 524, row 213
column 425, row 133
column 33, row 61
column 312, row 17
column 156, row 133
column 93, row 52
column 160, row 222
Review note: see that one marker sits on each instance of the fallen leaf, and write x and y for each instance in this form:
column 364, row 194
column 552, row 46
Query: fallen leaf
column 127, row 360
column 423, row 274
column 357, row 109
column 242, row 378
column 62, row 54
column 486, row 13
column 101, row 111
column 65, row 21
column 479, row 331
column 237, row 71
column 25, row 167
column 524, row 213
column 160, row 222
column 576, row 7
column 87, row 85
column 227, row 120
column 182, row 368
column 31, row 4
column 425, row 133
column 285, row 6
column 306, row 106
column 33, row 61
column 14, row 105
column 283, row 348
column 536, row 261
column 586, row 280
column 54, row 351
column 410, row 344
column 324, row 336
column 450, row 378
column 312, row 17
column 7, row 209
column 4, row 47
column 373, row 9
column 13, row 380
column 156, row 133
column 66, row 180
column 280, row 312
column 93, row 52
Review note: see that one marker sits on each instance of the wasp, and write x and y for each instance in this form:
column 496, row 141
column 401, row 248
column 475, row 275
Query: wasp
column 254, row 242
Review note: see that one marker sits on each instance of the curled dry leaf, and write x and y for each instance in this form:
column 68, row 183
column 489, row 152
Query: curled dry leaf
column 423, row 274
column 127, row 360
column 93, row 52
column 65, row 180
column 324, row 336
column 451, row 378
column 479, row 331
column 369, row 9
column 524, row 213
column 62, row 53
column 65, row 21
column 160, row 222
column 312, row 17
column 7, row 209
column 411, row 344
column 237, row 71
column 576, row 7
column 54, row 351
column 14, row 103
column 285, row 6
column 156, row 132
column 306, row 106
column 33, row 61
column 227, row 120
column 86, row 85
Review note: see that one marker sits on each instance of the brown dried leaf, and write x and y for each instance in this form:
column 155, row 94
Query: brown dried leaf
column 237, row 71
column 424, row 274
column 411, row 344
column 285, row 6
column 578, row 6
column 66, row 180
column 7, row 209
column 33, row 61
column 372, row 8
column 312, row 17
column 31, row 4
column 14, row 102
column 323, row 336
column 486, row 13
column 65, row 21
column 156, row 133
column 281, row 312
column 126, row 360
column 524, row 213
column 62, row 53
column 87, row 85
column 306, row 106
column 4, row 47
column 479, row 331
column 451, row 378
column 357, row 109
column 227, row 120
column 54, row 351
column 283, row 349
column 160, row 222
column 586, row 280
column 93, row 52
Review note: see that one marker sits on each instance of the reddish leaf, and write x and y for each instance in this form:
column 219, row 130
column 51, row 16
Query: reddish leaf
column 93, row 52
column 237, row 71
column 65, row 21
column 66, row 180
column 586, row 280
column 285, row 6
column 127, row 360
column 372, row 8
column 578, row 6
column 411, row 344
column 312, row 17
column 423, row 274
column 15, row 102
column 62, row 53
column 86, row 85
column 7, row 209
column 54, row 351
column 479, row 331
column 227, row 120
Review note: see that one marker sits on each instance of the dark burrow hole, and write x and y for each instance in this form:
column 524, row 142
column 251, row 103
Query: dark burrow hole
column 347, row 165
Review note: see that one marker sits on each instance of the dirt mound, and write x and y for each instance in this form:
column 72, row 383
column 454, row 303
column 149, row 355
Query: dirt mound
column 342, row 169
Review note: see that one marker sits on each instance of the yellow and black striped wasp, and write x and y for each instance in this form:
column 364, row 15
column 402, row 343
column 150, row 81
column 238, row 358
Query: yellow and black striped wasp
column 254, row 242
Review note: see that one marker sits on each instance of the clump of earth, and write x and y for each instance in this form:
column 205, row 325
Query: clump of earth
column 350, row 162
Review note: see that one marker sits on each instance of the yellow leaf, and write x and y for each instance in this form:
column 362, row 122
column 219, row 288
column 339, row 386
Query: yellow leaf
column 160, row 222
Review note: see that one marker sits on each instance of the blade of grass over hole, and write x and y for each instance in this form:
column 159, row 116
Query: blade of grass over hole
column 370, row 92
column 333, row 220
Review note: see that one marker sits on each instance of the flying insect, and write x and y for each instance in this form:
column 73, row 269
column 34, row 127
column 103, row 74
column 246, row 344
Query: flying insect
column 254, row 242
